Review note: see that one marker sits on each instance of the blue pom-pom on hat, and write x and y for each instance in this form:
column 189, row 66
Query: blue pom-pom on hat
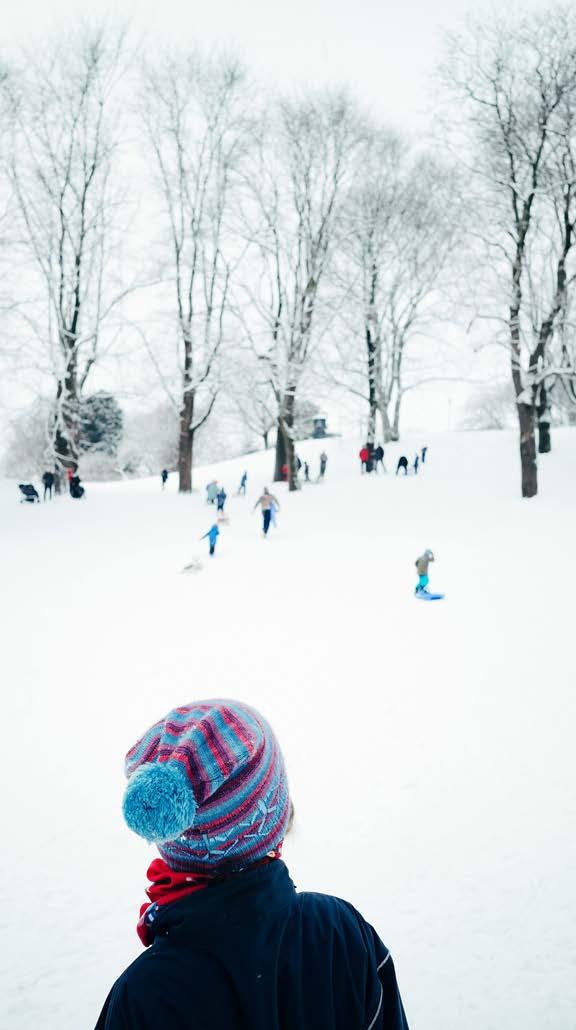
column 159, row 804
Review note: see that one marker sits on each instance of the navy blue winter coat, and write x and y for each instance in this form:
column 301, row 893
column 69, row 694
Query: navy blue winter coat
column 250, row 953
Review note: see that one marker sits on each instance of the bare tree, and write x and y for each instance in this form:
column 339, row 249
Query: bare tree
column 305, row 158
column 197, row 131
column 515, row 82
column 254, row 400
column 63, row 108
column 397, row 237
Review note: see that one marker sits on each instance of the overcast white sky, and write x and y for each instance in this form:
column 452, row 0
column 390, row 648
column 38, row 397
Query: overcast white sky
column 385, row 49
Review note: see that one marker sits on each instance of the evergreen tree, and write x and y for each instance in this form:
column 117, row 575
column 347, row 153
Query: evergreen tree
column 101, row 424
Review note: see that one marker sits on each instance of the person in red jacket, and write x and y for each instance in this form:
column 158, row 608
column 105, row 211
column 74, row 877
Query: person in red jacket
column 364, row 458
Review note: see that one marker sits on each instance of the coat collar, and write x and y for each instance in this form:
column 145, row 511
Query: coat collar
column 245, row 897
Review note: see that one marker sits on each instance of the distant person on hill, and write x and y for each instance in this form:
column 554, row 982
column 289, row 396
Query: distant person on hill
column 69, row 475
column 323, row 464
column 422, row 564
column 364, row 458
column 212, row 492
column 284, row 473
column 243, row 482
column 265, row 503
column 221, row 499
column 76, row 489
column 402, row 464
column 424, row 453
column 306, row 472
column 379, row 457
column 212, row 535
column 415, row 465
column 48, row 481
column 164, row 477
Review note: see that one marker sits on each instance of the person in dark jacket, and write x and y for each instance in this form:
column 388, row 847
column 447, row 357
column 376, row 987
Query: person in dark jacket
column 164, row 477
column 424, row 453
column 379, row 457
column 76, row 489
column 242, row 487
column 402, row 464
column 231, row 944
column 221, row 499
column 48, row 481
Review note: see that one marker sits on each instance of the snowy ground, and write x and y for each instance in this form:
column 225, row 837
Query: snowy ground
column 430, row 746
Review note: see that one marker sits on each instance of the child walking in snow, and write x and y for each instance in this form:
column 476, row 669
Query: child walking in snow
column 422, row 564
column 231, row 943
column 212, row 534
column 266, row 502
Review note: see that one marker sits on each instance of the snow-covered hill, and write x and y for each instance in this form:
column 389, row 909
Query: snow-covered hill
column 430, row 747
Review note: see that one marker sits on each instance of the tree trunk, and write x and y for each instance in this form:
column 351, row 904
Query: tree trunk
column 186, row 444
column 544, row 418
column 396, row 422
column 67, row 424
column 281, row 458
column 372, row 345
column 371, row 435
column 526, row 417
column 285, row 449
column 387, row 429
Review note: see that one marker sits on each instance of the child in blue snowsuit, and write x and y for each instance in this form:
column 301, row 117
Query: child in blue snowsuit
column 221, row 499
column 212, row 534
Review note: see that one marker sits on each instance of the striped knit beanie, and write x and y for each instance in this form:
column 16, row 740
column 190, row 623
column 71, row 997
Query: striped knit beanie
column 207, row 785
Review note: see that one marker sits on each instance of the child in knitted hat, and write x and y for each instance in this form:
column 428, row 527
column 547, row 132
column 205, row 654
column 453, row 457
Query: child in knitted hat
column 231, row 944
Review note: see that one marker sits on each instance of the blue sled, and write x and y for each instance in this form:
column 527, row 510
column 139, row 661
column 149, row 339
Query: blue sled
column 425, row 595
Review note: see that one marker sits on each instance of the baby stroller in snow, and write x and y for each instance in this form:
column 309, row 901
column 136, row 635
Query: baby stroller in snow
column 29, row 493
column 76, row 490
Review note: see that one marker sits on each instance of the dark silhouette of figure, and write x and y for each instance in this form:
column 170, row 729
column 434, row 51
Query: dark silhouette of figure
column 379, row 457
column 402, row 464
column 48, row 481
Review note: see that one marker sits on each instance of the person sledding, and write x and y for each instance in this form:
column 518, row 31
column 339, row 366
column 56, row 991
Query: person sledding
column 422, row 565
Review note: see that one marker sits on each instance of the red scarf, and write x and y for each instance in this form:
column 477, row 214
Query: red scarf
column 168, row 885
